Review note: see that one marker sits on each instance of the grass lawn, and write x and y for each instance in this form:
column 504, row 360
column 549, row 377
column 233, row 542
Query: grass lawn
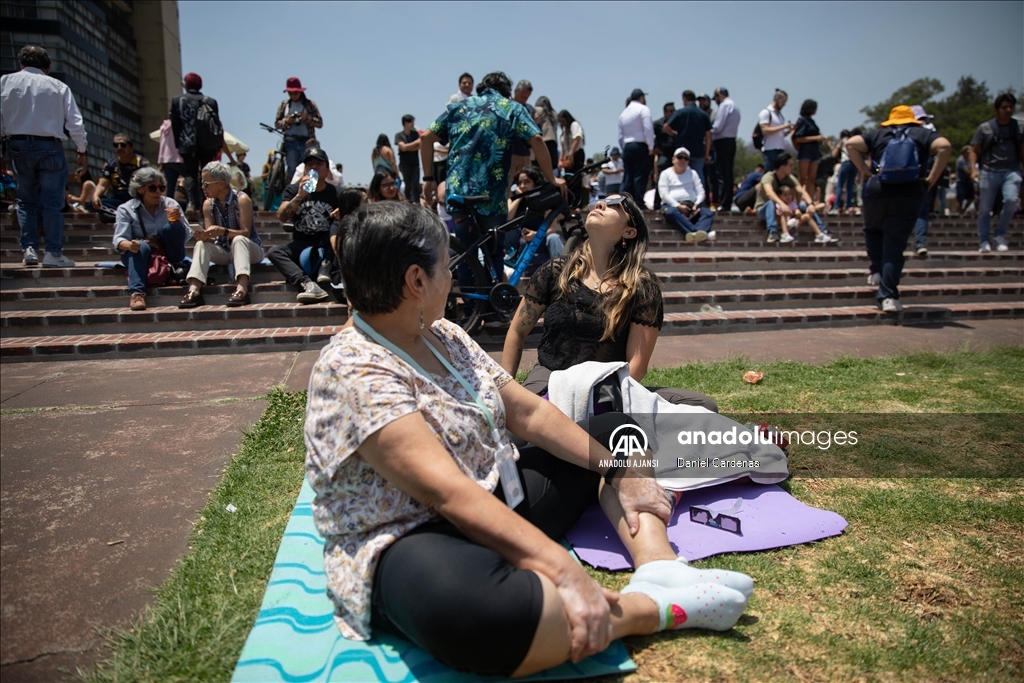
column 926, row 583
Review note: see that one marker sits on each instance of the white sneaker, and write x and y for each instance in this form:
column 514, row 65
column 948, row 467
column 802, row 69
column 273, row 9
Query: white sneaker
column 875, row 279
column 984, row 248
column 711, row 235
column 311, row 293
column 698, row 236
column 31, row 257
column 891, row 305
column 786, row 238
column 1001, row 244
column 62, row 261
column 824, row 238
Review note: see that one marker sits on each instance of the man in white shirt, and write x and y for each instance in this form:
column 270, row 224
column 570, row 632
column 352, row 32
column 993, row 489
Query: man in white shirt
column 612, row 172
column 682, row 194
column 636, row 139
column 723, row 137
column 465, row 89
column 775, row 128
column 36, row 110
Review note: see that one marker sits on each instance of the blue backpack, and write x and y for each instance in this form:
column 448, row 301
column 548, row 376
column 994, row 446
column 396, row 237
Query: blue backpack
column 899, row 162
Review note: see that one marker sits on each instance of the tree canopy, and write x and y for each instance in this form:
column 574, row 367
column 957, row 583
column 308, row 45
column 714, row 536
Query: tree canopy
column 956, row 117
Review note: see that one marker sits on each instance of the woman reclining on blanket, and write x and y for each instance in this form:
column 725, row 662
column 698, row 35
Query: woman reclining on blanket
column 600, row 303
column 405, row 435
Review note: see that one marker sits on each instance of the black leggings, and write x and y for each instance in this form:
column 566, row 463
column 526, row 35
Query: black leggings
column 461, row 602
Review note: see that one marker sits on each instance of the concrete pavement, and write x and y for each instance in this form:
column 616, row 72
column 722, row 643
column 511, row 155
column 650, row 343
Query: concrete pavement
column 104, row 465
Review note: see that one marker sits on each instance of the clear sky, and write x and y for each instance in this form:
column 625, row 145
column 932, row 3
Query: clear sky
column 367, row 64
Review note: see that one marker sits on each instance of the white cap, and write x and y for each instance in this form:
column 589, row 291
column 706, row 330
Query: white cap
column 682, row 150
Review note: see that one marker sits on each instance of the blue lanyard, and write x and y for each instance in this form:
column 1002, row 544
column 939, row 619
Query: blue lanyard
column 365, row 328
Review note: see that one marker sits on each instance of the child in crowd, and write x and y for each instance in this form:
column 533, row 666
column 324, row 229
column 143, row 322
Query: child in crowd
column 795, row 214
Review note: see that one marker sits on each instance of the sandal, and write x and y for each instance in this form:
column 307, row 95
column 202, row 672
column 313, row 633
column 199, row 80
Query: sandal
column 192, row 299
column 238, row 298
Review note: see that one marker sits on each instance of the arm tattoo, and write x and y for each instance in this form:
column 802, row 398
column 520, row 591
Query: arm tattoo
column 529, row 316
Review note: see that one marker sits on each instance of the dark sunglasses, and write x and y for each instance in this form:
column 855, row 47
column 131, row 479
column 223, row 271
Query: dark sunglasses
column 719, row 521
column 122, row 144
column 682, row 156
column 616, row 201
column 156, row 188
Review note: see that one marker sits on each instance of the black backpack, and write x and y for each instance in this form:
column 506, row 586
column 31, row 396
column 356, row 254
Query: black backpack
column 209, row 131
column 757, row 137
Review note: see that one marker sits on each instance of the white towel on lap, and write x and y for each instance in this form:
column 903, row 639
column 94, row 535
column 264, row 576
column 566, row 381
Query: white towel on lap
column 572, row 392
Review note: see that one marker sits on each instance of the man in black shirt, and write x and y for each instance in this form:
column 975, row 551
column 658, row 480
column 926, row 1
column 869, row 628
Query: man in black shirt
column 310, row 213
column 890, row 209
column 664, row 147
column 998, row 148
column 691, row 127
column 408, row 142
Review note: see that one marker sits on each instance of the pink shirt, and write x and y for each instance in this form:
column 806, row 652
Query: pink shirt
column 168, row 153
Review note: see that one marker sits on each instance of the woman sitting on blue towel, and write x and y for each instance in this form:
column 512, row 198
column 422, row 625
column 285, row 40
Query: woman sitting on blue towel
column 438, row 529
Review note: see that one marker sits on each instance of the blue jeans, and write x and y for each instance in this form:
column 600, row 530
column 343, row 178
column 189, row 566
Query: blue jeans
column 847, row 179
column 888, row 222
column 171, row 237
column 41, row 171
column 701, row 220
column 697, row 164
column 817, row 218
column 769, row 158
column 293, row 150
column 554, row 242
column 767, row 214
column 636, row 161
column 990, row 182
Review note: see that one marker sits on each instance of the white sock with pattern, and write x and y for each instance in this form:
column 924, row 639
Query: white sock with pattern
column 678, row 573
column 704, row 605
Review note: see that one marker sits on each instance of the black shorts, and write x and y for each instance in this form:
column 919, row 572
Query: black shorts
column 463, row 603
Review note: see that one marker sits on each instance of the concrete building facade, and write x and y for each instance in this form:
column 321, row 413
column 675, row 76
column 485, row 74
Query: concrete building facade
column 121, row 59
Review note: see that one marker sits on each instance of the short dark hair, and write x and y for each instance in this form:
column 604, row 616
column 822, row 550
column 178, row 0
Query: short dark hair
column 667, row 105
column 781, row 160
column 408, row 118
column 466, row 75
column 380, row 244
column 34, row 56
column 689, row 96
column 496, row 81
column 1005, row 97
column 533, row 173
column 808, row 108
column 760, row 166
column 844, row 133
column 127, row 138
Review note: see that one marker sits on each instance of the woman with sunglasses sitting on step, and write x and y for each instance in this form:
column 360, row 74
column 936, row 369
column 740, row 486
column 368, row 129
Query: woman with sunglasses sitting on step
column 599, row 303
column 148, row 222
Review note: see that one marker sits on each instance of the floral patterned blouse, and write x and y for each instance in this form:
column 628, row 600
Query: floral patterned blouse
column 356, row 388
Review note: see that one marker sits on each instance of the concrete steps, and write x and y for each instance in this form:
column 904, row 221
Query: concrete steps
column 82, row 312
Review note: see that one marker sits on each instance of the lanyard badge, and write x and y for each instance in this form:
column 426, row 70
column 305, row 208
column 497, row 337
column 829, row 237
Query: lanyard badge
column 511, row 485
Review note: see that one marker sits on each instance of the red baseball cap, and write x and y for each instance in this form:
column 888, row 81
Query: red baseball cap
column 294, row 85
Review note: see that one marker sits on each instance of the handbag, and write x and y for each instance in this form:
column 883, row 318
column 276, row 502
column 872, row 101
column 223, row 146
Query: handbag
column 158, row 271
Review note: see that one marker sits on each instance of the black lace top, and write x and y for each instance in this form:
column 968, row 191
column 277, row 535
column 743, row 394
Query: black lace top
column 573, row 326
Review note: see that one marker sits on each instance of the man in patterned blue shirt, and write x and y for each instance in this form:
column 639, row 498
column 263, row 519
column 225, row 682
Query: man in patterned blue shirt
column 479, row 132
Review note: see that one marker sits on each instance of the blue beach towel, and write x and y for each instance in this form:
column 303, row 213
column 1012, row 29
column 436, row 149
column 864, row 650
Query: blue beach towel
column 295, row 639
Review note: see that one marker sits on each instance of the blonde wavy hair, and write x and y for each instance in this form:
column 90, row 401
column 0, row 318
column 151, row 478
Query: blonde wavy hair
column 625, row 266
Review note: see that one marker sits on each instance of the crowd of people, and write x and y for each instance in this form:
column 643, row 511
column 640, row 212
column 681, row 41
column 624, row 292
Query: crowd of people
column 442, row 485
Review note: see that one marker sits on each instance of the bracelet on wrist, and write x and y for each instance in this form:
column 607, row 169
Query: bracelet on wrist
column 428, row 178
column 610, row 474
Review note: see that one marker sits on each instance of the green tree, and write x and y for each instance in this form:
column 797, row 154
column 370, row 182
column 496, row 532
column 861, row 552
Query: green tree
column 920, row 91
column 746, row 159
column 957, row 116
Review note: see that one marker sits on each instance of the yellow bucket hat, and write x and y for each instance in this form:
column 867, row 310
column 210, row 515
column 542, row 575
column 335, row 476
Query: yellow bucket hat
column 901, row 115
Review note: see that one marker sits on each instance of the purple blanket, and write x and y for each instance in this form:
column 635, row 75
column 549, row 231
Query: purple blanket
column 771, row 519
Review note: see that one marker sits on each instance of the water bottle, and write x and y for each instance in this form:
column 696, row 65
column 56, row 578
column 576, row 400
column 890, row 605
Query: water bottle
column 310, row 184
